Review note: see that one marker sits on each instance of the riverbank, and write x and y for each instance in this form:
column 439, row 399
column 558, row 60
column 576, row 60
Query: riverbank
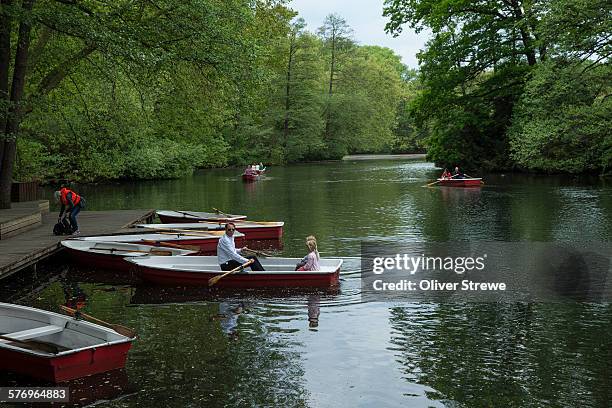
column 407, row 156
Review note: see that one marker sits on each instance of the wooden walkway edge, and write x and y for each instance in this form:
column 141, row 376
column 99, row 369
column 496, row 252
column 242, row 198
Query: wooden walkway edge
column 29, row 248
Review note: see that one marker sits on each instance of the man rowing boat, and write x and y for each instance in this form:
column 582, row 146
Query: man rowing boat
column 458, row 174
column 228, row 256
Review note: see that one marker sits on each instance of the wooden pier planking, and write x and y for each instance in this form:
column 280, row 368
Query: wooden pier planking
column 34, row 245
column 21, row 217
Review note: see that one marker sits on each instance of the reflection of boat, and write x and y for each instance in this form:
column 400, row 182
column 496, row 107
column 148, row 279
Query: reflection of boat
column 56, row 348
column 251, row 229
column 81, row 391
column 104, row 386
column 110, row 255
column 197, row 270
column 195, row 216
column 460, row 182
column 206, row 240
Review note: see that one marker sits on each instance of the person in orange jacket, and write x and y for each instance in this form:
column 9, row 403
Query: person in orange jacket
column 72, row 204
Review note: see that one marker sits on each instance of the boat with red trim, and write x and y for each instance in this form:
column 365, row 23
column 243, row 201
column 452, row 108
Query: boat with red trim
column 111, row 255
column 168, row 216
column 460, row 182
column 251, row 229
column 197, row 270
column 55, row 347
column 206, row 240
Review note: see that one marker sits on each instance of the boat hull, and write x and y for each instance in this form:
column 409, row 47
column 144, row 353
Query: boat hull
column 272, row 280
column 83, row 348
column 207, row 245
column 471, row 182
column 250, row 177
column 67, row 367
column 102, row 261
column 251, row 230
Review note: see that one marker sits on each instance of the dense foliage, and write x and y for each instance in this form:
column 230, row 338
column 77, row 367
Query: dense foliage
column 513, row 83
column 140, row 89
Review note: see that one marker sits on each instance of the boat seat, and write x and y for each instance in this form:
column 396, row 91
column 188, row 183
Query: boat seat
column 36, row 332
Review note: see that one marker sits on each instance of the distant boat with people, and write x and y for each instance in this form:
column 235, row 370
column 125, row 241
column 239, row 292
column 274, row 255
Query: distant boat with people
column 457, row 179
column 253, row 172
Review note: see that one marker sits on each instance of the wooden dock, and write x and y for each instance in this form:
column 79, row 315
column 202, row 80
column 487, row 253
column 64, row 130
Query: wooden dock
column 35, row 244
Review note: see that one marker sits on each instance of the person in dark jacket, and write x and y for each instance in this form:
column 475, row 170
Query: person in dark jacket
column 72, row 204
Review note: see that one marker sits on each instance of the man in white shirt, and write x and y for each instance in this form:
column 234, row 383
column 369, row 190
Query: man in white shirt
column 228, row 256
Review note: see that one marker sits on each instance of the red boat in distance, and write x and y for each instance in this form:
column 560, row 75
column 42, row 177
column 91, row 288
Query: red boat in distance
column 253, row 173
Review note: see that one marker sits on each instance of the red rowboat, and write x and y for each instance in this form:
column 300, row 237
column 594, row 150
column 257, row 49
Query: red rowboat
column 168, row 217
column 206, row 240
column 197, row 270
column 251, row 176
column 251, row 229
column 57, row 348
column 457, row 182
column 110, row 255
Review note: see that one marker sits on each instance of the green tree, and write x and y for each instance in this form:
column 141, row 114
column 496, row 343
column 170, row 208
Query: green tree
column 336, row 35
column 473, row 71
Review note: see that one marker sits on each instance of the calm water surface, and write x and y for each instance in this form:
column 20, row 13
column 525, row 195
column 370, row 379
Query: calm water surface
column 253, row 348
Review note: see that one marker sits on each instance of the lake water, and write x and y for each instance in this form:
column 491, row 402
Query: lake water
column 257, row 348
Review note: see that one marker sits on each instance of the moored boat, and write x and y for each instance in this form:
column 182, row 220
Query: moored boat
column 251, row 229
column 167, row 216
column 197, row 270
column 460, row 182
column 110, row 255
column 56, row 348
column 206, row 240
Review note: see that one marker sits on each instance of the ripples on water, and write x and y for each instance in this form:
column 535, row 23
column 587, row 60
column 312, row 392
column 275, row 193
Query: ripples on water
column 328, row 348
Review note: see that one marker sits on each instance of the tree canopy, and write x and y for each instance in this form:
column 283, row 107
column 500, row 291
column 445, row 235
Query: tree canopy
column 491, row 70
column 95, row 90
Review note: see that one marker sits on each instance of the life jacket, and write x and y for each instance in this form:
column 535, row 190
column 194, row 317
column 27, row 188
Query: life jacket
column 64, row 196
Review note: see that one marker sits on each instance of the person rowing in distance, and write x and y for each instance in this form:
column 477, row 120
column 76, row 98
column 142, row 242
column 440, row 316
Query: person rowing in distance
column 457, row 174
column 228, row 256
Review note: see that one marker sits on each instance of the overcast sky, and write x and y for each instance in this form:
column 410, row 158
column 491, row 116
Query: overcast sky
column 366, row 20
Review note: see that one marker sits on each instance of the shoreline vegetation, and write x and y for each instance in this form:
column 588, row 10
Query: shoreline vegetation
column 141, row 90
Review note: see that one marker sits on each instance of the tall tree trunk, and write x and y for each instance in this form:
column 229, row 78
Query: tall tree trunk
column 5, row 55
column 288, row 91
column 525, row 34
column 331, row 86
column 15, row 110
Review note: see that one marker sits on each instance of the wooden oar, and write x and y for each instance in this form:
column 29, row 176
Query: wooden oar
column 228, row 217
column 238, row 222
column 258, row 253
column 125, row 331
column 218, row 211
column 189, row 214
column 152, row 251
column 190, row 233
column 171, row 245
column 33, row 345
column 216, row 279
